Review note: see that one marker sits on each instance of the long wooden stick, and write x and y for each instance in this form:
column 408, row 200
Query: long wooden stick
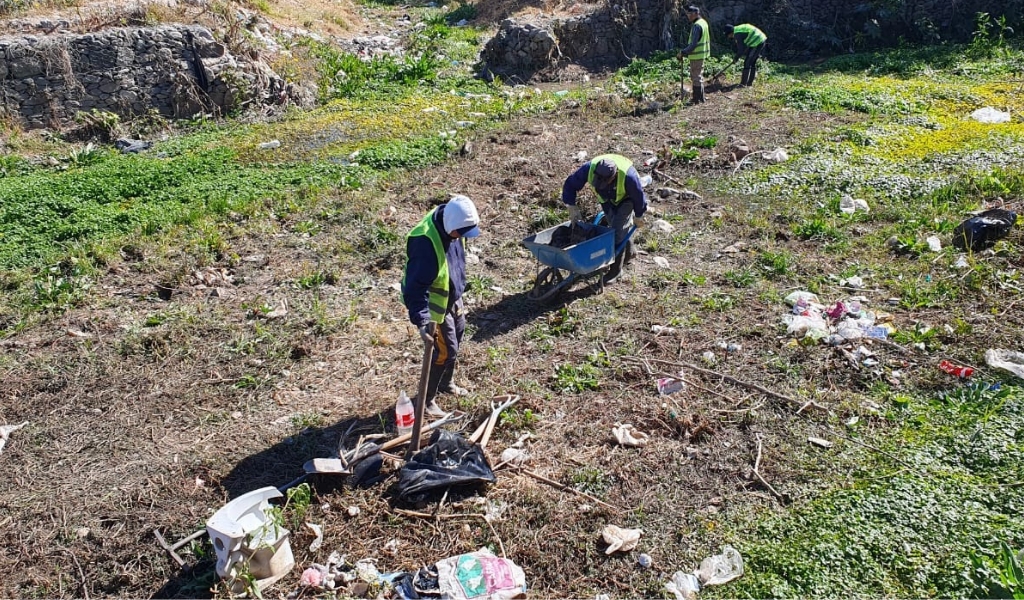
column 729, row 378
column 566, row 488
column 757, row 473
column 421, row 401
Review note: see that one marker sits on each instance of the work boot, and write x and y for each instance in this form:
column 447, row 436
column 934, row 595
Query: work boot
column 630, row 251
column 433, row 410
column 615, row 271
column 447, row 386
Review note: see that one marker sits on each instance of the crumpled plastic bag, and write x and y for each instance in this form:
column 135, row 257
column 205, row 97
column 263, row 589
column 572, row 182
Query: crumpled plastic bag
column 684, row 585
column 450, row 461
column 720, row 568
column 480, row 574
column 627, row 435
column 1007, row 360
column 619, row 539
column 984, row 230
column 990, row 115
column 778, row 155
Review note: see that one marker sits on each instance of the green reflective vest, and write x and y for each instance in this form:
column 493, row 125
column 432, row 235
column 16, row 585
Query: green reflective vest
column 437, row 299
column 755, row 37
column 703, row 49
column 622, row 164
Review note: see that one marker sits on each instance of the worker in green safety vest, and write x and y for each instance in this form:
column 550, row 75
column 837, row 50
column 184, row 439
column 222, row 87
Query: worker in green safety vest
column 696, row 51
column 435, row 278
column 750, row 42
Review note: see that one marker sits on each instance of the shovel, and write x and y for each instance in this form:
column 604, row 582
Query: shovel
column 421, row 404
column 714, row 79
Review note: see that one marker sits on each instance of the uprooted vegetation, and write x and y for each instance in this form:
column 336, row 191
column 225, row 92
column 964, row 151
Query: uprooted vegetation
column 197, row 321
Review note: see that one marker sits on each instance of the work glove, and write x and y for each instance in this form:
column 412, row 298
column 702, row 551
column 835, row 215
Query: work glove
column 425, row 334
column 640, row 222
column 575, row 215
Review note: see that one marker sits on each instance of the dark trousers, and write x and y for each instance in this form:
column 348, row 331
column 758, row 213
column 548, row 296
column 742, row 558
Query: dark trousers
column 447, row 339
column 750, row 64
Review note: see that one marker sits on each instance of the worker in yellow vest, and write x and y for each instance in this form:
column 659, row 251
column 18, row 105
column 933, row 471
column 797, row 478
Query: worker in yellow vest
column 696, row 51
column 750, row 43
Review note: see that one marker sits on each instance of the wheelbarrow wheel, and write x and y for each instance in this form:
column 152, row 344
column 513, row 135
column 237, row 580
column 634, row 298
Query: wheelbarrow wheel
column 548, row 285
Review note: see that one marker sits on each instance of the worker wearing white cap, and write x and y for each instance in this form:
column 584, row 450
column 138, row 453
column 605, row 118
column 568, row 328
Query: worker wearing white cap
column 435, row 278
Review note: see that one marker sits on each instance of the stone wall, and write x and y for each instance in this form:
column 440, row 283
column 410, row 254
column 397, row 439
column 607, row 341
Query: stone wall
column 611, row 34
column 177, row 70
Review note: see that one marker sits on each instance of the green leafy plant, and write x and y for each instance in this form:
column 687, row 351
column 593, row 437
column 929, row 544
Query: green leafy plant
column 776, row 264
column 571, row 378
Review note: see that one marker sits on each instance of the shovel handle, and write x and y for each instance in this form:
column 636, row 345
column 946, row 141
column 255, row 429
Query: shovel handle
column 421, row 401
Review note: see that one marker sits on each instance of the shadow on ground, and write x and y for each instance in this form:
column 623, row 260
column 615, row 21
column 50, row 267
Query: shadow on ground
column 512, row 312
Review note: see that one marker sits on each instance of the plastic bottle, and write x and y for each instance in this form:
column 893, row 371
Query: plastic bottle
column 405, row 414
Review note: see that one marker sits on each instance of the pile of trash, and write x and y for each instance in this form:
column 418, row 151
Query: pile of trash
column 839, row 323
column 478, row 574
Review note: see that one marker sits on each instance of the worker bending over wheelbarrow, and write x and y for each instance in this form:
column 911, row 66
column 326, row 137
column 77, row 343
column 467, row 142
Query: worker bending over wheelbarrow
column 750, row 43
column 615, row 180
column 432, row 288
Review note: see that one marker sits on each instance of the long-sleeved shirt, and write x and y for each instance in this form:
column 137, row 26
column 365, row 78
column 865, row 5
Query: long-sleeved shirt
column 421, row 270
column 634, row 190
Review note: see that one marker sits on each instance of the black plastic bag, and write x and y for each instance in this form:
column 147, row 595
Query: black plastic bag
column 982, row 231
column 449, row 462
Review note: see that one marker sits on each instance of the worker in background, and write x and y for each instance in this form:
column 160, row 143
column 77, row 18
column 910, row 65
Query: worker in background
column 435, row 278
column 749, row 45
column 696, row 51
column 615, row 180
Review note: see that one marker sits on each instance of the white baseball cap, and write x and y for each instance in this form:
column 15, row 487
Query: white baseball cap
column 460, row 215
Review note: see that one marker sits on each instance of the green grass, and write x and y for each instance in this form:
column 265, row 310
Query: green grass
column 910, row 528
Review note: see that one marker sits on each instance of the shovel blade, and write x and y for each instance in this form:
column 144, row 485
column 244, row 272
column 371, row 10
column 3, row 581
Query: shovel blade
column 331, row 466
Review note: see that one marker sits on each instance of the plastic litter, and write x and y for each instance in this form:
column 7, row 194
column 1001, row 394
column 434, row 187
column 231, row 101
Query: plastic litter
column 720, row 568
column 934, row 243
column 515, row 456
column 270, row 145
column 662, row 262
column 849, row 205
column 778, row 155
column 808, row 297
column 660, row 329
column 955, row 369
column 644, row 561
column 6, row 431
column 683, row 585
column 990, row 115
column 319, row 533
column 620, row 539
column 449, row 462
column 627, row 435
column 1007, row 360
column 645, row 180
column 480, row 574
column 984, row 230
column 668, row 386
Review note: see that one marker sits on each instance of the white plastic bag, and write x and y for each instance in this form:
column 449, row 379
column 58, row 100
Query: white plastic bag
column 720, row 568
column 990, row 115
column 1007, row 360
column 684, row 585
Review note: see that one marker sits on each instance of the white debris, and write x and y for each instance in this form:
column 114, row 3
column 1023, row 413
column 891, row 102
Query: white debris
column 6, row 431
column 990, row 115
column 934, row 244
column 619, row 539
column 662, row 226
column 319, row 533
column 661, row 261
column 778, row 155
column 627, row 435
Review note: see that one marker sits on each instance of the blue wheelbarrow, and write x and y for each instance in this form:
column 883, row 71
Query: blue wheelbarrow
column 560, row 267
